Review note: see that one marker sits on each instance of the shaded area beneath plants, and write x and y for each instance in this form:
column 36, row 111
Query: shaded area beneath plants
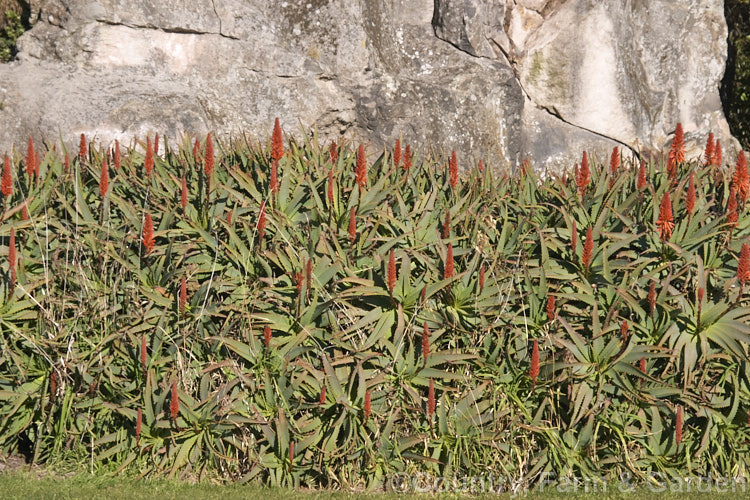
column 735, row 87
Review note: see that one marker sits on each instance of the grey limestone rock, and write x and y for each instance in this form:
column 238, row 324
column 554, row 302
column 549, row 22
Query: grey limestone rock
column 493, row 79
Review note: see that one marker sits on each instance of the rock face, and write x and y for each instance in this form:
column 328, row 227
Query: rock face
column 492, row 79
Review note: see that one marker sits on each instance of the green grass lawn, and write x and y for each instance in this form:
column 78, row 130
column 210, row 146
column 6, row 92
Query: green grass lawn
column 27, row 484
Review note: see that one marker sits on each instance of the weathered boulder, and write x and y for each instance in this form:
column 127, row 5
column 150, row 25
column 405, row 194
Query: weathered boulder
column 497, row 80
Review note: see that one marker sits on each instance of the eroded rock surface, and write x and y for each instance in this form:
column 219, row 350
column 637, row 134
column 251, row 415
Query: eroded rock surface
column 492, row 79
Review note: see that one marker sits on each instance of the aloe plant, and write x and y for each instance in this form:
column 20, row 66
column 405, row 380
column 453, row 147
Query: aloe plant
column 462, row 325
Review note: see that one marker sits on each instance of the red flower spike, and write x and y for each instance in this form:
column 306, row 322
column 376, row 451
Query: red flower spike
column 614, row 163
column 352, row 226
column 665, row 222
column 83, row 148
column 642, row 365
column 701, row 295
column 453, row 167
column 277, row 142
column 534, row 368
column 671, row 170
column 148, row 162
column 480, row 167
column 333, row 151
column 7, row 183
column 449, row 268
column 144, row 354
column 25, row 212
column 624, row 331
column 425, row 343
column 368, row 405
column 391, row 278
column 717, row 154
column 447, row 225
column 183, row 295
column 588, row 250
column 652, row 298
column 678, row 426
column 117, row 155
column 104, row 179
column 262, row 221
column 322, row 400
column 148, row 234
column 174, row 402
column 30, row 158
column 423, row 295
column 677, row 150
column 361, row 171
column 584, row 175
column 66, row 163
column 291, row 454
column 690, row 197
column 741, row 177
column 197, row 150
column 299, row 282
column 407, row 157
column 52, row 384
column 481, row 279
column 397, row 153
column 208, row 166
column 431, row 400
column 184, row 194
column 641, row 183
column 743, row 265
column 732, row 213
column 550, row 307
column 274, row 181
column 267, row 336
column 708, row 156
column 138, row 422
column 330, row 186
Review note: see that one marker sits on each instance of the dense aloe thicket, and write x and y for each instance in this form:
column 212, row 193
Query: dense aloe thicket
column 304, row 315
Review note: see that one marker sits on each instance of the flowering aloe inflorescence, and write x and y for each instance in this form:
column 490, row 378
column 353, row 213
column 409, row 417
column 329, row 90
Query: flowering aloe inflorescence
column 665, row 222
column 149, row 242
column 7, row 180
column 534, row 368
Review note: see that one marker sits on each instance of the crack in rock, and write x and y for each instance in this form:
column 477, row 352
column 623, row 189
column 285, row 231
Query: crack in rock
column 176, row 30
column 552, row 112
column 213, row 5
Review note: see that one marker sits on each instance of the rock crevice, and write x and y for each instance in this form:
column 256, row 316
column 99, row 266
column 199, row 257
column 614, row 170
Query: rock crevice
column 177, row 29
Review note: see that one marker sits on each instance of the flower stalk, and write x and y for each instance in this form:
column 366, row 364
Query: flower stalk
column 534, row 368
